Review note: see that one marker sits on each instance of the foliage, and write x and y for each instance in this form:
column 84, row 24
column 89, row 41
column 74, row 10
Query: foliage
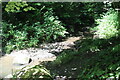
column 75, row 16
column 17, row 6
column 11, row 36
column 109, row 25
column 37, row 71
column 22, row 36
column 99, row 59
column 28, row 24
column 30, row 29
column 64, row 58
column 52, row 27
column 105, row 63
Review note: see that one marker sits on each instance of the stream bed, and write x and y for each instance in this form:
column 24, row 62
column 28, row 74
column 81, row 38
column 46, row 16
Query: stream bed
column 18, row 59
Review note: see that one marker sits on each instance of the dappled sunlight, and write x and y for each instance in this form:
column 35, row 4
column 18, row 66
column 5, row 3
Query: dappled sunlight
column 90, row 57
column 60, row 40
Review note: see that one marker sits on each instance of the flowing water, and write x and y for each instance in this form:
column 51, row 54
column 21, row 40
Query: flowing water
column 9, row 64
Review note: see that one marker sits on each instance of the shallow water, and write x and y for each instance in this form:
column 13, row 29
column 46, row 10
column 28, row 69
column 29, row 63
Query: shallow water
column 7, row 66
column 11, row 63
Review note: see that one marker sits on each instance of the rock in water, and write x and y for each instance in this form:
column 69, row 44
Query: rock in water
column 20, row 58
column 10, row 63
column 6, row 66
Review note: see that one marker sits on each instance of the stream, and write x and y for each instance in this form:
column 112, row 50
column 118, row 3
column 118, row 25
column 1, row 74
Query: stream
column 17, row 59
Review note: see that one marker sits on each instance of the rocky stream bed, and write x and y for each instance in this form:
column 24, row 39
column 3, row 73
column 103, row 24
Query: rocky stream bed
column 33, row 56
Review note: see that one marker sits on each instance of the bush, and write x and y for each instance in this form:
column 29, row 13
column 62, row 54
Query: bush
column 108, row 25
column 23, row 36
column 13, row 38
column 52, row 28
column 37, row 71
column 104, row 65
column 16, row 7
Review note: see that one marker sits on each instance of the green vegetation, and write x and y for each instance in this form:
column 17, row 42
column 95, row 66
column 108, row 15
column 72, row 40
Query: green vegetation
column 25, row 35
column 33, row 72
column 109, row 25
column 94, row 58
column 105, row 61
column 97, row 58
column 27, row 24
column 17, row 6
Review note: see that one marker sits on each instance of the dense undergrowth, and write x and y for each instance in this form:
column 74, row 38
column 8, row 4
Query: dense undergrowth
column 37, row 71
column 94, row 58
column 109, row 25
column 105, row 63
column 30, row 24
column 97, row 58
column 23, row 36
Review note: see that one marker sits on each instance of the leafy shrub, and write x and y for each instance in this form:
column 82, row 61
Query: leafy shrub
column 108, row 26
column 12, row 38
column 104, row 63
column 17, row 7
column 23, row 36
column 99, row 59
column 52, row 28
column 75, row 16
column 37, row 71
